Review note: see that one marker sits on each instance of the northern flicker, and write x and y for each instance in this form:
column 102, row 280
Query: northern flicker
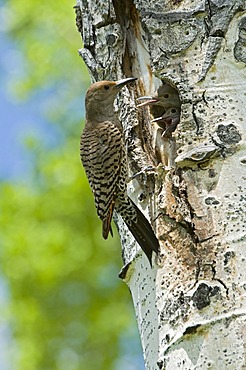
column 165, row 106
column 103, row 155
column 168, row 121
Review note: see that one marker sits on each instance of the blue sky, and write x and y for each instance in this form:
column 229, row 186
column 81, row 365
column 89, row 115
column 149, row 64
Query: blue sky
column 19, row 119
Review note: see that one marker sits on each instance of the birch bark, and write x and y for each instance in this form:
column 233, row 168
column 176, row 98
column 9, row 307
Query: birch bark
column 191, row 305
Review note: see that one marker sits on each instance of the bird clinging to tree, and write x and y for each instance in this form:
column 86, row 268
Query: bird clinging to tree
column 103, row 155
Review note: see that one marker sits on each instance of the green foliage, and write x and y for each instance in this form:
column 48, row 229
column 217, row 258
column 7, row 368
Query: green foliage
column 46, row 32
column 67, row 308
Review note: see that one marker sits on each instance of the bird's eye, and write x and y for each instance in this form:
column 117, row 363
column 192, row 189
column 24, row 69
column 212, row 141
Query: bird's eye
column 106, row 87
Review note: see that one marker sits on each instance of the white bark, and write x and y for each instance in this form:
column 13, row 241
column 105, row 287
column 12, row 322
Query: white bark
column 191, row 305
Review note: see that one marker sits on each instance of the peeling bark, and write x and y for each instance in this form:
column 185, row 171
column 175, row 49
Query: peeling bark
column 190, row 183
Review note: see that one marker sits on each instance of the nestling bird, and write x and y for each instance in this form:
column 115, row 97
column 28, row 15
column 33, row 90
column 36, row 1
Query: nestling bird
column 165, row 106
column 168, row 121
column 103, row 155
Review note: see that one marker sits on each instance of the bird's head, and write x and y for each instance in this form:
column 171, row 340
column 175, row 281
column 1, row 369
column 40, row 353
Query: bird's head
column 101, row 95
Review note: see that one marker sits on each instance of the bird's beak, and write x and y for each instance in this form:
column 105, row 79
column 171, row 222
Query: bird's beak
column 149, row 100
column 121, row 83
column 157, row 119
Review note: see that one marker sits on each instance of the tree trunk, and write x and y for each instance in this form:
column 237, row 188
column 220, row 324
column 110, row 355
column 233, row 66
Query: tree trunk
column 190, row 184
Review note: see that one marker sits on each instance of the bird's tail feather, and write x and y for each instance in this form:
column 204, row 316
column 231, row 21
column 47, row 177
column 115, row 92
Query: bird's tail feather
column 143, row 233
column 106, row 225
